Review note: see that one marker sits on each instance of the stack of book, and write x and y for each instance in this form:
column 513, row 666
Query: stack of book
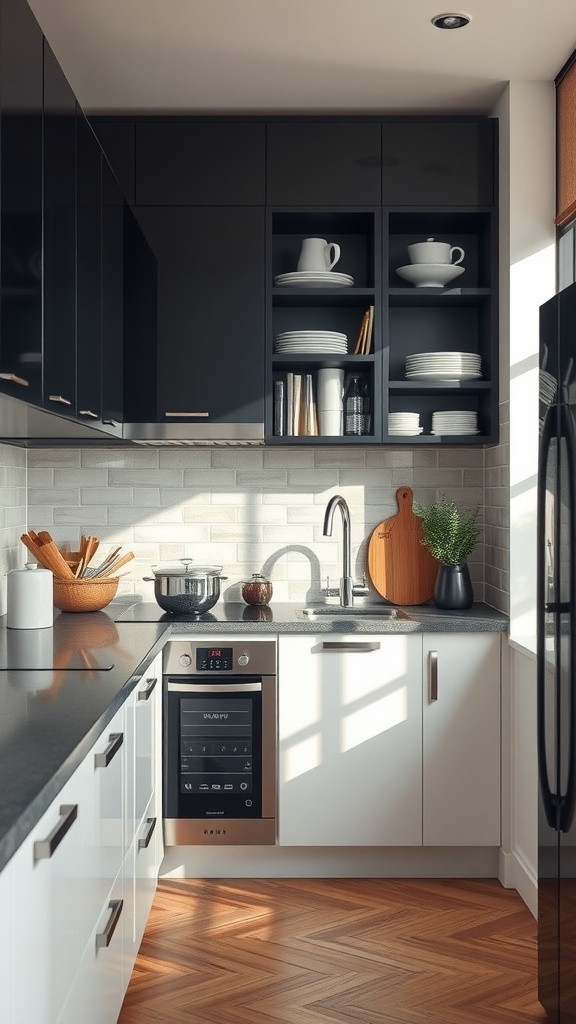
column 364, row 342
column 295, row 406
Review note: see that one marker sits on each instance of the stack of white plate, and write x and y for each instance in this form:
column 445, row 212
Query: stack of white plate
column 455, row 422
column 314, row 279
column 443, row 366
column 404, row 423
column 302, row 342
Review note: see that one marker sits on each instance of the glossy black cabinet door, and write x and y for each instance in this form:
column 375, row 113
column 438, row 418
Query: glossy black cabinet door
column 188, row 163
column 140, row 324
column 210, row 311
column 88, row 273
column 112, row 300
column 117, row 140
column 316, row 163
column 59, row 239
column 21, row 59
column 435, row 163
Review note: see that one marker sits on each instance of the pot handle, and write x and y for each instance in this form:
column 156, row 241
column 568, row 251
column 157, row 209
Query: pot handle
column 221, row 577
column 149, row 579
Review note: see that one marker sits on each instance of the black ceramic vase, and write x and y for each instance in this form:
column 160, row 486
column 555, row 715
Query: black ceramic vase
column 453, row 587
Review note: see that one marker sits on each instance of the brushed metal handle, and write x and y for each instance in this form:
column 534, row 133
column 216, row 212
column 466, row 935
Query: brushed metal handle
column 44, row 848
column 103, row 759
column 334, row 645
column 14, row 379
column 103, row 939
column 144, row 842
column 88, row 412
column 60, row 398
column 147, row 693
column 433, row 675
column 110, row 423
column 189, row 415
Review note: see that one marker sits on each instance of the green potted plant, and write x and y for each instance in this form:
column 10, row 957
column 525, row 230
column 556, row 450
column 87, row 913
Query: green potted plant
column 450, row 534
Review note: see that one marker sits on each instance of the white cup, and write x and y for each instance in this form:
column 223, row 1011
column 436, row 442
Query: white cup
column 434, row 252
column 318, row 255
column 330, row 422
column 330, row 388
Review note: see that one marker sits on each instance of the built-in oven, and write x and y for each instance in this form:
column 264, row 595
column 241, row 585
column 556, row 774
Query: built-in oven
column 219, row 742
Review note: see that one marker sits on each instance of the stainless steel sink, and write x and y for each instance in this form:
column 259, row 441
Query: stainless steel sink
column 373, row 611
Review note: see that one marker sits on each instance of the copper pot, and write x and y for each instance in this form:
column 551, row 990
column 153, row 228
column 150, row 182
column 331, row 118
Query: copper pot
column 257, row 590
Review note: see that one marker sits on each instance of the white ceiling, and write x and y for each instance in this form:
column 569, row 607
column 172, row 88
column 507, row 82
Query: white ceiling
column 293, row 55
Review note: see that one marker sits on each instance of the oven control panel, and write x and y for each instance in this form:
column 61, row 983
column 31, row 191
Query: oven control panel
column 214, row 659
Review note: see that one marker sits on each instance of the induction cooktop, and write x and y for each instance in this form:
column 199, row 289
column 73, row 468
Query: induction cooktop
column 146, row 611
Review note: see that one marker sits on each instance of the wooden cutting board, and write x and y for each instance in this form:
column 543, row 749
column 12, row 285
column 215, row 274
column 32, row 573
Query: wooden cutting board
column 401, row 569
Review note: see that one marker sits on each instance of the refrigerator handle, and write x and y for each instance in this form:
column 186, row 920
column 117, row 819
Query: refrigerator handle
column 549, row 799
column 568, row 800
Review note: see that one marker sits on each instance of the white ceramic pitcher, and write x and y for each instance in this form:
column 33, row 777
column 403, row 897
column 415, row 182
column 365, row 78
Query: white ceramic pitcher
column 318, row 255
column 434, row 252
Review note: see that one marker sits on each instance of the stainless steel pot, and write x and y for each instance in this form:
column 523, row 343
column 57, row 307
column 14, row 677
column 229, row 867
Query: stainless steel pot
column 187, row 589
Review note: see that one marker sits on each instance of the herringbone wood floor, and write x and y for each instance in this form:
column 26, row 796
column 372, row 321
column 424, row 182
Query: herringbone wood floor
column 335, row 951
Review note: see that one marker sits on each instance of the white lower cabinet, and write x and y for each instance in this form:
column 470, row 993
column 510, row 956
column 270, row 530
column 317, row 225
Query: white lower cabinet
column 84, row 880
column 461, row 739
column 390, row 740
column 46, row 933
column 350, row 741
column 7, row 959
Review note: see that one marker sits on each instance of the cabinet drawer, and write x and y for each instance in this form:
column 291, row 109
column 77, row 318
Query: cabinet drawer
column 183, row 164
column 324, row 164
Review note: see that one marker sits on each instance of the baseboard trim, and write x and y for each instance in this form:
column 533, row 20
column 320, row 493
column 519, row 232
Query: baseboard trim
column 515, row 873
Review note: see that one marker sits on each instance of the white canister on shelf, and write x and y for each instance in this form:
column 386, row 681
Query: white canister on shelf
column 30, row 598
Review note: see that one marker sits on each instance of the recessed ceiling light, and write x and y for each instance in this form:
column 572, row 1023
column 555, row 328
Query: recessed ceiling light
column 451, row 20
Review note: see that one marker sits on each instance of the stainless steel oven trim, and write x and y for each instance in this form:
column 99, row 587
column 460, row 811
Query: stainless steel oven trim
column 214, row 687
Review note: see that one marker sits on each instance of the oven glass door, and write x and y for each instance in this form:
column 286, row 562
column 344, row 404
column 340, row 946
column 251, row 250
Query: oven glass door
column 212, row 747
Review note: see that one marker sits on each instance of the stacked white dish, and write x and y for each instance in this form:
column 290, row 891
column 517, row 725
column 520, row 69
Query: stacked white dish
column 404, row 423
column 443, row 366
column 451, row 421
column 309, row 342
column 314, row 279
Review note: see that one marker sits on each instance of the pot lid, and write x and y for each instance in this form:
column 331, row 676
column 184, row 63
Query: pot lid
column 185, row 567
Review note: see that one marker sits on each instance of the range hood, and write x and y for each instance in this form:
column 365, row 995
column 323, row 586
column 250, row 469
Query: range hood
column 212, row 434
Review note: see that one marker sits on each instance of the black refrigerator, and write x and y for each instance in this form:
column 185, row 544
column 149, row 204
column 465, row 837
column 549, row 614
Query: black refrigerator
column 556, row 662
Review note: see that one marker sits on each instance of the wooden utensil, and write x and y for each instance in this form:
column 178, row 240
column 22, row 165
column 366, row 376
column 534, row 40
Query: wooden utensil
column 400, row 567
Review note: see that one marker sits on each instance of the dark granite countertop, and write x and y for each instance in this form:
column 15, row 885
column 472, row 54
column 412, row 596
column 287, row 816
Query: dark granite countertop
column 50, row 717
column 60, row 687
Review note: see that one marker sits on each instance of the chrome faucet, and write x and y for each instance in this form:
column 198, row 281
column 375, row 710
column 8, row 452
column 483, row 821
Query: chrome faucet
column 348, row 589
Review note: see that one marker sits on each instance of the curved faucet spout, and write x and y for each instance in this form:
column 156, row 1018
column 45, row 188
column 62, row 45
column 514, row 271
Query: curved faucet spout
column 339, row 502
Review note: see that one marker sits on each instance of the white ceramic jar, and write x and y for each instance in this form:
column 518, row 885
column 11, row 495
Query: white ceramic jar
column 30, row 598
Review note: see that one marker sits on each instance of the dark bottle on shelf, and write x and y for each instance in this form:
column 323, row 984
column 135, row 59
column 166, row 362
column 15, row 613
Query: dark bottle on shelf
column 356, row 407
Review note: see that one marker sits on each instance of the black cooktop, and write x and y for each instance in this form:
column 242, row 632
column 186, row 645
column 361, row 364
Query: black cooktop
column 150, row 612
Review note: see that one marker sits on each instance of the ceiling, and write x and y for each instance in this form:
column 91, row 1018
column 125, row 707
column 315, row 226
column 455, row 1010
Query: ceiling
column 294, row 55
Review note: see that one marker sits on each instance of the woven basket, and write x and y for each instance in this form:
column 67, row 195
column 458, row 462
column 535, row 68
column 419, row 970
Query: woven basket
column 84, row 595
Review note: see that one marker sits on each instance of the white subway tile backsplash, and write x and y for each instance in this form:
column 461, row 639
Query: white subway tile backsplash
column 250, row 510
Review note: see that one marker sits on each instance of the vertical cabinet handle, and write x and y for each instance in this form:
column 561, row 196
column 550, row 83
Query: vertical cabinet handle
column 103, row 760
column 103, row 939
column 147, row 693
column 433, row 675
column 144, row 842
column 44, row 848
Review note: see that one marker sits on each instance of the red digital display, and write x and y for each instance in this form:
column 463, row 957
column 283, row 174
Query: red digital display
column 214, row 652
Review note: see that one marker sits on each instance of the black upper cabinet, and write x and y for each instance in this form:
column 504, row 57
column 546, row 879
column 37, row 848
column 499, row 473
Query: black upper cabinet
column 112, row 298
column 438, row 163
column 21, row 60
column 210, row 312
column 204, row 164
column 59, row 238
column 88, row 272
column 117, row 140
column 140, row 323
column 318, row 163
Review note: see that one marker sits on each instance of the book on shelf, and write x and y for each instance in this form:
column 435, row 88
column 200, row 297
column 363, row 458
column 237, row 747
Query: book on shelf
column 295, row 406
column 362, row 332
column 369, row 332
column 279, row 408
column 289, row 404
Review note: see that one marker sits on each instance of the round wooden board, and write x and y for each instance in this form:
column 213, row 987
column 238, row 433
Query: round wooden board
column 400, row 567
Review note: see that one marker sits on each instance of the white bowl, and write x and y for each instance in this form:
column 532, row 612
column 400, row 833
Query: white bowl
column 429, row 275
